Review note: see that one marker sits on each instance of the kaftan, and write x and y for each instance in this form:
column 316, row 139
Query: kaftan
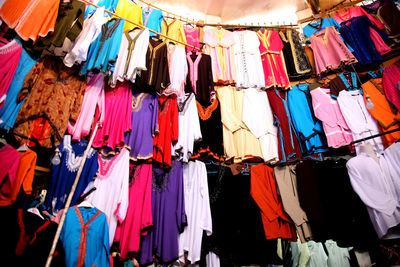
column 189, row 128
column 178, row 70
column 257, row 116
column 174, row 30
column 248, row 66
column 192, row 38
column 219, row 45
column 129, row 10
column 197, row 207
column 358, row 119
column 152, row 19
column 112, row 189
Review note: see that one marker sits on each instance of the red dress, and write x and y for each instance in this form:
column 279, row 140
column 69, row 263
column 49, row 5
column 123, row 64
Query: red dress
column 168, row 126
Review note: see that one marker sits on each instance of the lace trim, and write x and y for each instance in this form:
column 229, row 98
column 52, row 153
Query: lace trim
column 206, row 112
column 74, row 161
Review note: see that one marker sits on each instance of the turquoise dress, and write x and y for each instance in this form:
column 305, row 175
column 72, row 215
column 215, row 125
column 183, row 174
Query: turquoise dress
column 152, row 19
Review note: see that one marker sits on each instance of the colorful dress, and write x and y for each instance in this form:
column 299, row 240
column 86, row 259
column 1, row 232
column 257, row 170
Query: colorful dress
column 129, row 10
column 144, row 126
column 152, row 19
column 391, row 80
column 85, row 238
column 272, row 58
column 219, row 45
column 9, row 158
column 192, row 38
column 174, row 30
column 178, row 70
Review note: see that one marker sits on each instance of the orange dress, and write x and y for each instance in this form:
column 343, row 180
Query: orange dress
column 264, row 192
column 30, row 18
column 384, row 113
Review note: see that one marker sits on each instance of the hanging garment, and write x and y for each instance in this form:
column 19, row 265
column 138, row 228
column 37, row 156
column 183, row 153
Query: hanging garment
column 13, row 103
column 23, row 177
column 297, row 64
column 358, row 119
column 257, row 116
column 330, row 53
column 300, row 253
column 392, row 157
column 10, row 159
column 156, row 77
column 288, row 145
column 200, row 77
column 117, row 117
column 239, row 142
column 308, row 127
column 56, row 92
column 345, row 81
column 379, row 195
column 391, row 79
column 273, row 61
column 189, row 128
column 388, row 14
column 93, row 98
column 192, row 38
column 287, row 186
column 236, row 240
column 85, row 238
column 198, row 212
column 337, row 256
column 178, row 70
column 328, row 111
column 30, row 18
column 168, row 126
column 248, row 66
column 264, row 192
column 152, row 19
column 219, row 45
column 112, row 189
column 90, row 31
column 131, row 56
column 10, row 53
column 387, row 117
column 169, row 217
column 318, row 257
column 174, row 30
column 138, row 218
column 130, row 11
column 144, row 126
column 210, row 146
column 110, row 5
column 104, row 50
column 64, row 173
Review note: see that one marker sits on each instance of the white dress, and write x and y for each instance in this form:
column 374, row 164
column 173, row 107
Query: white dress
column 112, row 189
column 392, row 156
column 189, row 128
column 248, row 66
column 373, row 183
column 178, row 70
column 338, row 257
column 131, row 56
column 318, row 256
column 90, row 30
column 197, row 208
column 358, row 119
column 257, row 116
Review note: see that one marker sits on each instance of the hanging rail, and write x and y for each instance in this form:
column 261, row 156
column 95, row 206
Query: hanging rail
column 252, row 25
column 375, row 136
column 141, row 26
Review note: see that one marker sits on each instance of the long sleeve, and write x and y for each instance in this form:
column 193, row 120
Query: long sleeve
column 227, row 117
column 174, row 119
column 123, row 201
column 154, row 117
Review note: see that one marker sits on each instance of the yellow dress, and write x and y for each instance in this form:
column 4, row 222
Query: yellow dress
column 129, row 11
column 173, row 29
column 239, row 142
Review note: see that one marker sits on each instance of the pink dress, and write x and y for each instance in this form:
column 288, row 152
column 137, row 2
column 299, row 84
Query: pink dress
column 139, row 215
column 10, row 52
column 391, row 78
column 328, row 111
column 329, row 50
column 94, row 97
column 117, row 117
column 272, row 59
column 357, row 11
column 192, row 37
column 219, row 45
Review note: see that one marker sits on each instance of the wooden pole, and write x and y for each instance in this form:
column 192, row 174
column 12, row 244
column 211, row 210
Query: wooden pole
column 69, row 199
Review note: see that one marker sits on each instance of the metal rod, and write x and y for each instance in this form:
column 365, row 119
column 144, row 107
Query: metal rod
column 374, row 136
column 69, row 199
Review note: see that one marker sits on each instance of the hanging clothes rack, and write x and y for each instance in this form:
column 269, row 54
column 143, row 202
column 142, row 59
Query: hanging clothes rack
column 143, row 27
column 247, row 26
column 374, row 136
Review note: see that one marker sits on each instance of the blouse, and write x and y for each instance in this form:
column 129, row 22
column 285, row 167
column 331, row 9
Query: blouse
column 174, row 30
column 152, row 19
column 192, row 38
column 130, row 11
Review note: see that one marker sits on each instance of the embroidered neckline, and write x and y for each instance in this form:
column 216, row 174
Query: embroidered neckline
column 206, row 112
column 107, row 166
column 73, row 161
column 137, row 102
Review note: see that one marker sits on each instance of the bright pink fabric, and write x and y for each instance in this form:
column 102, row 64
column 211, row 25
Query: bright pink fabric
column 10, row 52
column 9, row 162
column 192, row 37
column 117, row 116
column 329, row 50
column 390, row 78
column 139, row 215
column 358, row 11
column 94, row 97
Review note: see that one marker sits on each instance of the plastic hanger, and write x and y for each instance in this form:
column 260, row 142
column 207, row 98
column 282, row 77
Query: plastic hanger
column 23, row 148
column 85, row 204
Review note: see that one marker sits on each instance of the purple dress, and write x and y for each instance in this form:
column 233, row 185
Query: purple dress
column 169, row 217
column 144, row 126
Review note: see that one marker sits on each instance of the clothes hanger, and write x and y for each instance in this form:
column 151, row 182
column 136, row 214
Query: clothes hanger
column 23, row 148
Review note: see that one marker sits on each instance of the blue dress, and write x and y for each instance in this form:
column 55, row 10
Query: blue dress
column 10, row 110
column 104, row 50
column 63, row 174
column 85, row 238
column 152, row 19
column 309, row 128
